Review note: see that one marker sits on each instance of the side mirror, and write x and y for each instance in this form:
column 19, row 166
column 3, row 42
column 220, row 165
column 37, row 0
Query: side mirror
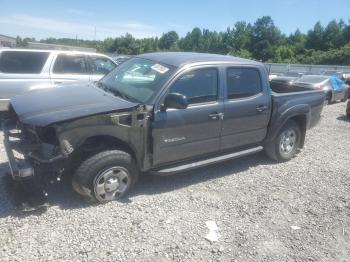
column 175, row 100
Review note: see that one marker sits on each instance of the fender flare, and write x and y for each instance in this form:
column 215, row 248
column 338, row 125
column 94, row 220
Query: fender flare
column 302, row 110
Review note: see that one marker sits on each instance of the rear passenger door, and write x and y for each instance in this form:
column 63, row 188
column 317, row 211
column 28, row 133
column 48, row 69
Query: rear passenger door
column 100, row 66
column 247, row 107
column 70, row 68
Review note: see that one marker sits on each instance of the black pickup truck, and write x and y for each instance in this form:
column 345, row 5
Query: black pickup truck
column 162, row 113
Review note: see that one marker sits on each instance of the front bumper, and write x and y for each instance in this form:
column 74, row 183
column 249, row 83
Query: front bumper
column 20, row 168
column 24, row 162
column 4, row 104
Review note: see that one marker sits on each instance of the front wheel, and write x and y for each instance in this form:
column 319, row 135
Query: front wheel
column 286, row 144
column 106, row 176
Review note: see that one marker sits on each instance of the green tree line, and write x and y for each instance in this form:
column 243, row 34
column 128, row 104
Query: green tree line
column 262, row 41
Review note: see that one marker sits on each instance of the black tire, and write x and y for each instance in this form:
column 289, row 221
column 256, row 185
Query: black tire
column 345, row 97
column 328, row 99
column 105, row 171
column 274, row 149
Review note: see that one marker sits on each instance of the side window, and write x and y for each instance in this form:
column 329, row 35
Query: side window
column 19, row 62
column 101, row 65
column 199, row 86
column 243, row 82
column 70, row 64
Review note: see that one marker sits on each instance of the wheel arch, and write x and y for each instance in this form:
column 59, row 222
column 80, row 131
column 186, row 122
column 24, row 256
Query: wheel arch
column 299, row 114
column 106, row 142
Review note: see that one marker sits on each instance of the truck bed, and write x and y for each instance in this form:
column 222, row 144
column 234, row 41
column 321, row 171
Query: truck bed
column 308, row 102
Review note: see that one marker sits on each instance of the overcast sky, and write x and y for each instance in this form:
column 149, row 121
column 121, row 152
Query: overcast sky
column 144, row 18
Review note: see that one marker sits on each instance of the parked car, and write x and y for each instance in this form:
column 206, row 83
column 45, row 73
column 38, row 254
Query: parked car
column 283, row 84
column 294, row 74
column 120, row 59
column 348, row 109
column 325, row 83
column 160, row 112
column 274, row 75
column 22, row 70
column 283, row 80
column 339, row 74
column 347, row 81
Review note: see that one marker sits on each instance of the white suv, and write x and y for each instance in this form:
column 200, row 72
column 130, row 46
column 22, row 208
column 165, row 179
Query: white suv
column 23, row 70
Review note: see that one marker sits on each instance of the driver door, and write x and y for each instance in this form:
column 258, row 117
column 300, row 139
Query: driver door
column 179, row 134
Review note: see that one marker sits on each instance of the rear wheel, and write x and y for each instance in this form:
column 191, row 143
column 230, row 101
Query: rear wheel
column 286, row 144
column 106, row 176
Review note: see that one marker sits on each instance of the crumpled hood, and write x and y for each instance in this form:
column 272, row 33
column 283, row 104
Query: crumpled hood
column 46, row 106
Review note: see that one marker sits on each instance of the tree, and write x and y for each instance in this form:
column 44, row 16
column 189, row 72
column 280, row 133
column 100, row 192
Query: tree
column 265, row 36
column 314, row 38
column 168, row 40
column 261, row 41
column 191, row 41
column 333, row 35
column 284, row 54
column 23, row 42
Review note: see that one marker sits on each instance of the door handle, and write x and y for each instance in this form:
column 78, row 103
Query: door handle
column 261, row 108
column 216, row 116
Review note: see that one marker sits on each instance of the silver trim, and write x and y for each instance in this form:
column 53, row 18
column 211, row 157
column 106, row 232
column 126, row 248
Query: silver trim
column 210, row 161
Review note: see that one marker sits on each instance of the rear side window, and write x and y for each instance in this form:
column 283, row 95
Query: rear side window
column 101, row 65
column 243, row 82
column 19, row 62
column 70, row 64
column 199, row 86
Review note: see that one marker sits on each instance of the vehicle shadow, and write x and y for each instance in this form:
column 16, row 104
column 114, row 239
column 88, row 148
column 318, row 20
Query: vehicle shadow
column 16, row 201
column 63, row 196
column 152, row 184
column 343, row 118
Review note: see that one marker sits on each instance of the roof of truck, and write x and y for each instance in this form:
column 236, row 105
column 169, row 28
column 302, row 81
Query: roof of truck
column 180, row 59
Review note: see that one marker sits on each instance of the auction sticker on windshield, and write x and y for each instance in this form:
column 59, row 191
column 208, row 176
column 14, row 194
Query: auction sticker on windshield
column 159, row 68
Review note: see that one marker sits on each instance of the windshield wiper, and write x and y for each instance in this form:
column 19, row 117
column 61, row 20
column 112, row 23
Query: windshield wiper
column 115, row 92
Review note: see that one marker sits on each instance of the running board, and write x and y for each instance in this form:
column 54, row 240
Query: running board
column 188, row 166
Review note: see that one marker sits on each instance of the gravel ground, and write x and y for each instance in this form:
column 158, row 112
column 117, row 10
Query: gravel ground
column 294, row 211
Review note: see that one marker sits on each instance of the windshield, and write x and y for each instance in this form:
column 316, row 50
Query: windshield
column 137, row 79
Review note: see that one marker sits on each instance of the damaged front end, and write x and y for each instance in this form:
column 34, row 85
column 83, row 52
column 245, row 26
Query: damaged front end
column 30, row 157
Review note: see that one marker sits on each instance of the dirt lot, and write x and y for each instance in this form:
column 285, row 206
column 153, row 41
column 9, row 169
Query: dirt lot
column 295, row 211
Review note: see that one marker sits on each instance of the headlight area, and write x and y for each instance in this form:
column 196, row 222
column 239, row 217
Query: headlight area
column 47, row 135
column 48, row 150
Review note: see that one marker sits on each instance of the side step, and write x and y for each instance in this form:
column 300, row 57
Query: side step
column 184, row 167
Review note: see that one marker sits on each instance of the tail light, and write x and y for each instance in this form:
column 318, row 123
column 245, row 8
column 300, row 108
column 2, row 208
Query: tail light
column 317, row 86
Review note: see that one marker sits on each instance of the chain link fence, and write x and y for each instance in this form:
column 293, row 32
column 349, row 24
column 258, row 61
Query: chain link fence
column 274, row 68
